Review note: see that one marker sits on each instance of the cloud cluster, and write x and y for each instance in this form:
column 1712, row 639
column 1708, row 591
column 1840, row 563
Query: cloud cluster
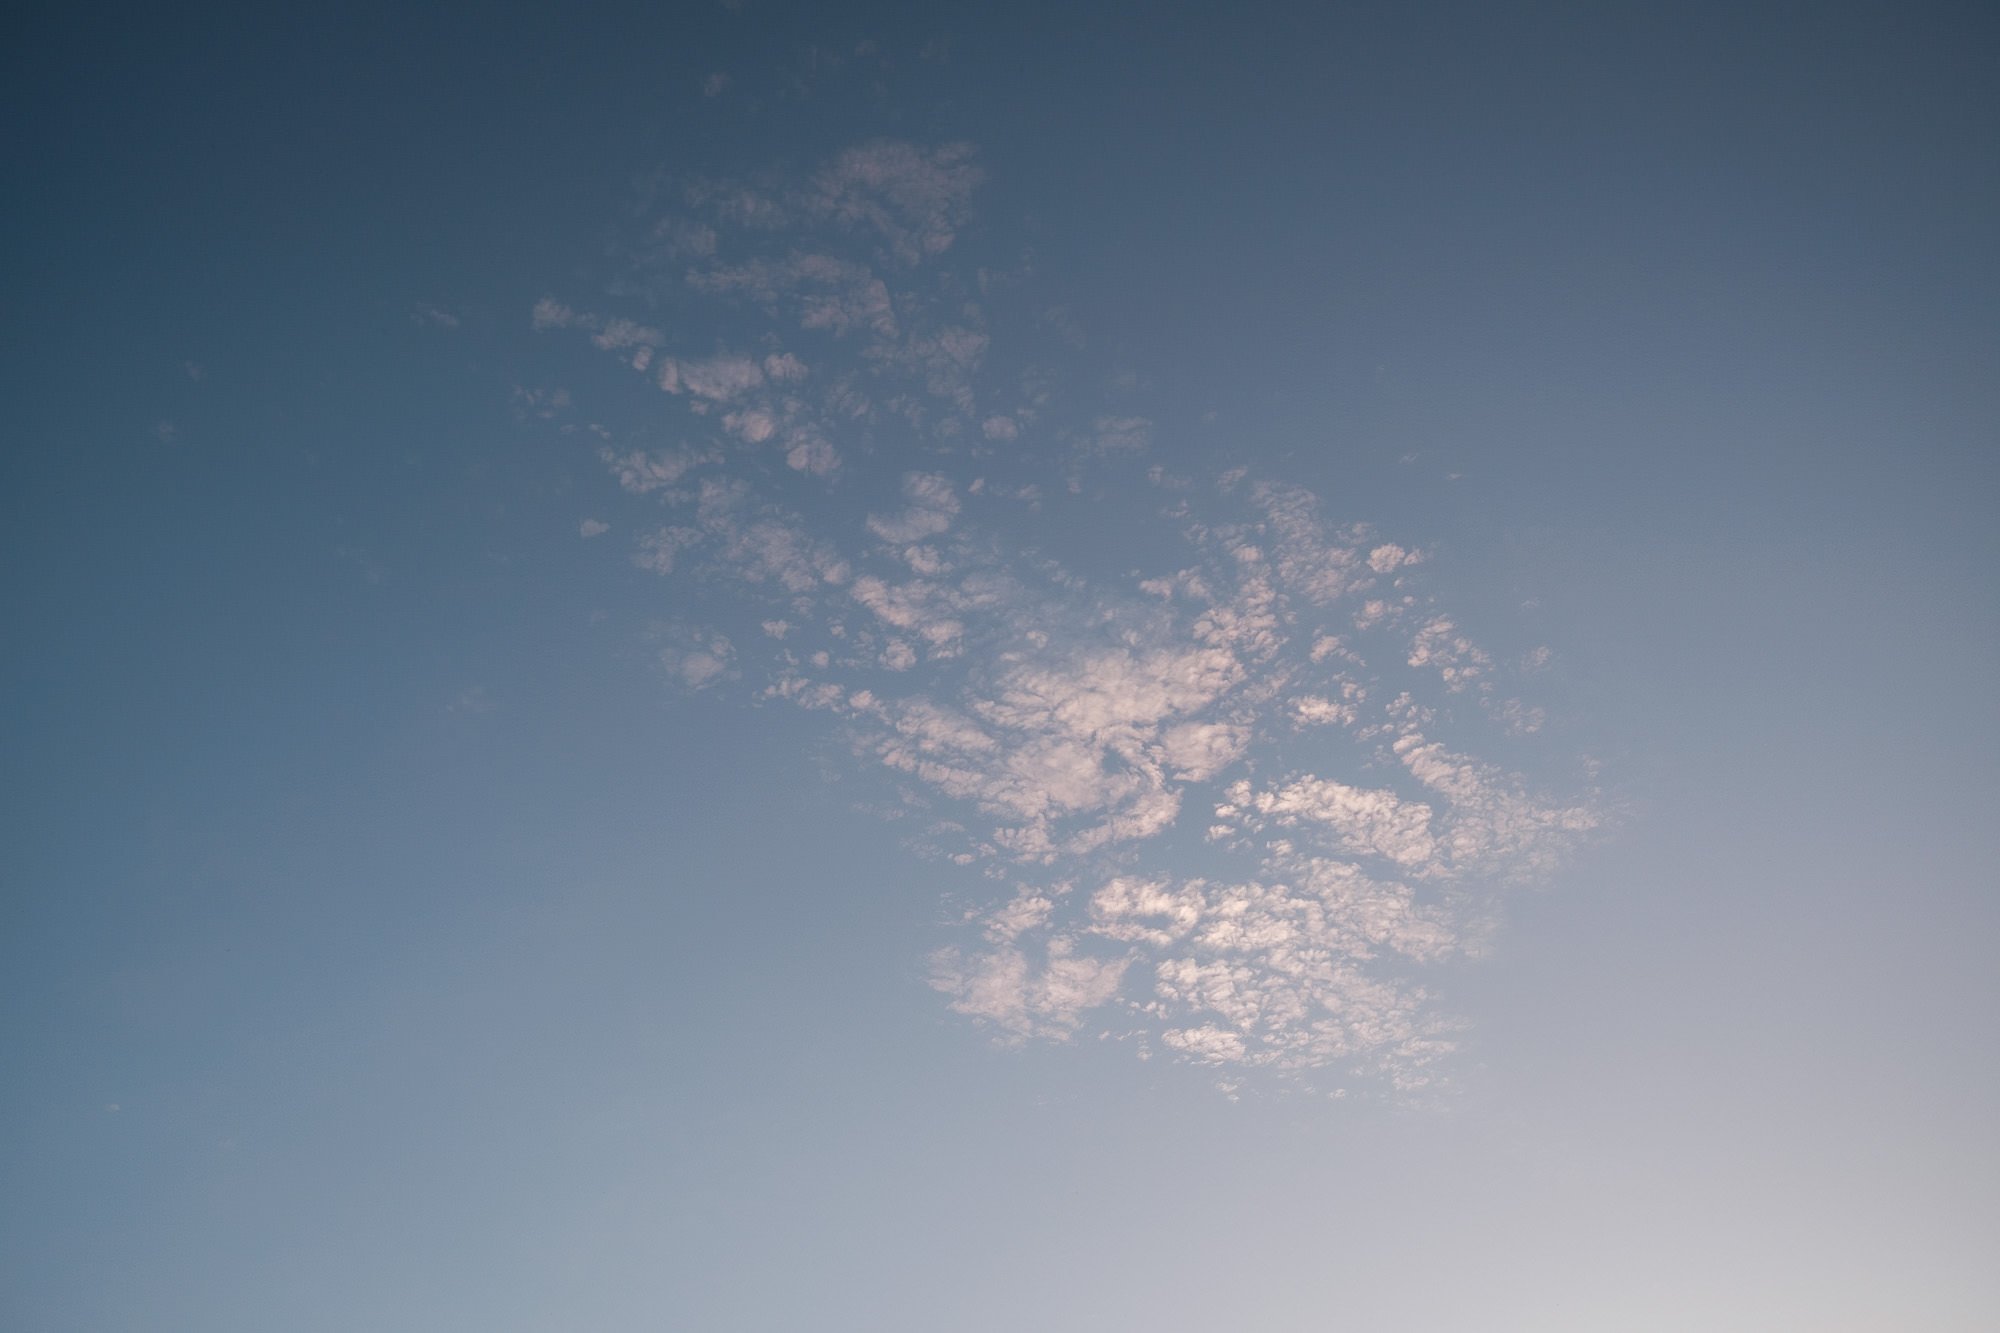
column 1212, row 799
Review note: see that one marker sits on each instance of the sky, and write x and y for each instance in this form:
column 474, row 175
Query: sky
column 766, row 667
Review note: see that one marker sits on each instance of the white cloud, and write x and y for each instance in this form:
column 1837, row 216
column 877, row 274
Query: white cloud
column 1309, row 562
column 1208, row 1043
column 660, row 550
column 640, row 473
column 1145, row 911
column 1456, row 658
column 719, row 378
column 593, row 527
column 1498, row 827
column 1259, row 689
column 1519, row 718
column 1316, row 710
column 550, row 313
column 784, row 368
column 702, row 658
column 1029, row 909
column 617, row 333
column 1389, row 557
column 815, row 291
column 677, row 238
column 929, row 610
column 771, row 550
column 1121, row 434
column 808, row 451
column 1022, row 998
column 916, row 199
column 1197, row 751
column 932, row 505
column 945, row 361
column 1366, row 821
column 752, row 425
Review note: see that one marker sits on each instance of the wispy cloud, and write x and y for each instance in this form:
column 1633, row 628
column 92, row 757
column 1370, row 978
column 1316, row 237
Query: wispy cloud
column 1228, row 800
column 917, row 199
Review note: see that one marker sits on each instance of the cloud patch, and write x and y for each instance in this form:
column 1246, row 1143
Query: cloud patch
column 1231, row 796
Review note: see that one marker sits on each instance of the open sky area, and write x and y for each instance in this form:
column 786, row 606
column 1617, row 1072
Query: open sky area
column 1082, row 667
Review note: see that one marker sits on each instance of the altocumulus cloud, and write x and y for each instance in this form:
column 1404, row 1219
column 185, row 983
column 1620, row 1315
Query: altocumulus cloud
column 1227, row 807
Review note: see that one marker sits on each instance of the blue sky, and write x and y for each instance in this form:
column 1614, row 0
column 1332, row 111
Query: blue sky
column 763, row 667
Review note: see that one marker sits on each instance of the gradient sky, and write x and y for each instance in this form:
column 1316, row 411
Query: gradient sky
column 1085, row 667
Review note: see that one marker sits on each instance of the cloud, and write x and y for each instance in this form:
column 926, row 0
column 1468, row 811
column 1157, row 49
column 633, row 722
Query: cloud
column 1029, row 909
column 814, row 291
column 717, row 378
column 872, row 519
column 944, row 360
column 678, row 238
column 1121, row 434
column 1497, row 825
column 1023, row 997
column 660, row 550
column 784, row 368
column 1438, row 645
column 1389, row 557
column 1070, row 744
column 643, row 472
column 550, row 313
column 917, row 199
column 809, row 452
column 593, row 527
column 932, row 505
column 1365, row 821
column 1321, row 568
column 1208, row 1043
column 616, row 333
column 701, row 658
column 1315, row 710
column 844, row 262
column 471, row 699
